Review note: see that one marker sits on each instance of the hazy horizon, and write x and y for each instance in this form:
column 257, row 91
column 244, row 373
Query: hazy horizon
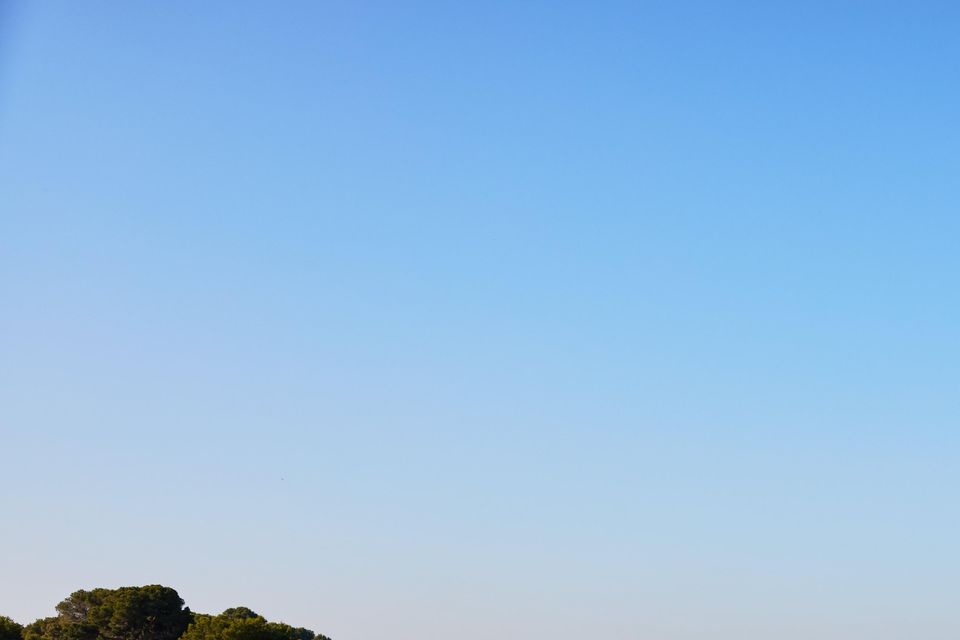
column 439, row 320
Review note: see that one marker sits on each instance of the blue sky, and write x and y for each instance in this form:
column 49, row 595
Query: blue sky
column 629, row 320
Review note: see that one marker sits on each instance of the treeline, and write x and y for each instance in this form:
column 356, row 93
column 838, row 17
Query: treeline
column 153, row 612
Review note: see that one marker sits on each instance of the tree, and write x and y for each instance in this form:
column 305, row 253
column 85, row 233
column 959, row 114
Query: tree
column 10, row 630
column 240, row 623
column 239, row 613
column 59, row 629
column 282, row 631
column 152, row 612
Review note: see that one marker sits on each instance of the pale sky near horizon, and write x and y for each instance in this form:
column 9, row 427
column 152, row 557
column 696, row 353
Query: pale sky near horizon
column 626, row 320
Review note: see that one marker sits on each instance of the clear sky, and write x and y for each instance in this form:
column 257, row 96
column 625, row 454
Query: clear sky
column 424, row 321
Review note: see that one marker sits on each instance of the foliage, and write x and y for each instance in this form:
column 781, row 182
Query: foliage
column 240, row 623
column 59, row 629
column 10, row 630
column 152, row 612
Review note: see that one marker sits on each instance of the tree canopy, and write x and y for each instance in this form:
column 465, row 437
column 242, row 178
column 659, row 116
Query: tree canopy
column 241, row 623
column 151, row 612
column 10, row 630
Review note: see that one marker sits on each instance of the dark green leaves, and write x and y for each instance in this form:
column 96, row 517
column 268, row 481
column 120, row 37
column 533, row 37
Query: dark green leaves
column 153, row 612
column 10, row 630
column 240, row 623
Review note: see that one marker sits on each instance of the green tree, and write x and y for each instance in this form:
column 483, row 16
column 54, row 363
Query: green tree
column 239, row 613
column 240, row 623
column 283, row 631
column 59, row 629
column 10, row 630
column 152, row 612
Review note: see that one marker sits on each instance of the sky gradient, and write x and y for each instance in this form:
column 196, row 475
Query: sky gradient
column 424, row 321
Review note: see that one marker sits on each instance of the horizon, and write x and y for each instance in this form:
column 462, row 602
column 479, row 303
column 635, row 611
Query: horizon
column 517, row 319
